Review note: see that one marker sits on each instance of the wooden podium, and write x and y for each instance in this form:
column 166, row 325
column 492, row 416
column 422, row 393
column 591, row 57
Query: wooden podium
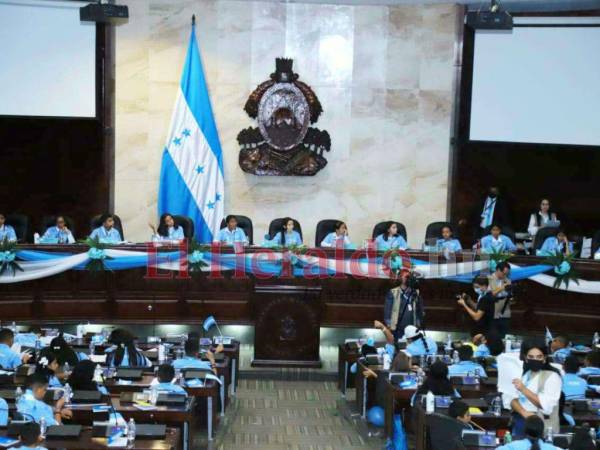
column 287, row 326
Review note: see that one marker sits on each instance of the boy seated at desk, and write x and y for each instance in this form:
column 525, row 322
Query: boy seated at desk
column 9, row 359
column 190, row 359
column 459, row 410
column 30, row 437
column 165, row 378
column 32, row 407
column 466, row 367
column 591, row 364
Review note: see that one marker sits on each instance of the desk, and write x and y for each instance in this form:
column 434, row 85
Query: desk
column 129, row 296
column 346, row 357
column 87, row 442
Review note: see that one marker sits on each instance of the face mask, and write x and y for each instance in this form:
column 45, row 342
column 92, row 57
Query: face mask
column 533, row 365
column 478, row 291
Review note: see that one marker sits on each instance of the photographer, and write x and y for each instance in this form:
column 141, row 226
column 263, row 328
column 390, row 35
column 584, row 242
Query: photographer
column 403, row 306
column 481, row 311
column 502, row 290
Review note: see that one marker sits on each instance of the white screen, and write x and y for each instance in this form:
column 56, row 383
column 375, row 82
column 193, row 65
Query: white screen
column 537, row 85
column 47, row 59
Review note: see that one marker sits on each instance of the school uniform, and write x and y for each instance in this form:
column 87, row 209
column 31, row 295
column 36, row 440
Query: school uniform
column 587, row 371
column 33, row 409
column 466, row 368
column 7, row 232
column 140, row 360
column 525, row 444
column 451, row 245
column 501, row 244
column 335, row 240
column 63, row 236
column 170, row 388
column 53, row 382
column 392, row 242
column 173, row 234
column 561, row 354
column 574, row 387
column 106, row 236
column 8, row 359
column 189, row 362
column 417, row 347
column 3, row 412
column 538, row 220
column 551, row 246
column 291, row 239
column 225, row 235
column 482, row 351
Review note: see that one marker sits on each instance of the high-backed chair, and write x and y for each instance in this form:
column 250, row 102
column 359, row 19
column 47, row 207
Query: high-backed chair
column 20, row 222
column 595, row 242
column 434, row 230
column 324, row 227
column 50, row 221
column 96, row 222
column 443, row 432
column 542, row 235
column 381, row 228
column 277, row 225
column 186, row 223
column 245, row 223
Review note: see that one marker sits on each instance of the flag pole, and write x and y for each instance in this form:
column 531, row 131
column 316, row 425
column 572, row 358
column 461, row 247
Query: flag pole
column 193, row 19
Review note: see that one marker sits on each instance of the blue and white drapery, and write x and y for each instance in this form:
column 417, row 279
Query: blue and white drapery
column 191, row 177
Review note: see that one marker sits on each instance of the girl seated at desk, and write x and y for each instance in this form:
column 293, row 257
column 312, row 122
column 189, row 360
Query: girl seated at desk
column 47, row 365
column 231, row 233
column 167, row 230
column 65, row 353
column 391, row 239
column 447, row 241
column 337, row 238
column 556, row 244
column 107, row 233
column 496, row 241
column 59, row 233
column 126, row 354
column 82, row 378
column 533, row 437
column 287, row 236
column 6, row 231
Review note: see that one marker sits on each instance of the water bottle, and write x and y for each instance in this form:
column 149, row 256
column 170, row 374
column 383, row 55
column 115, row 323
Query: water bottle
column 80, row 331
column 38, row 348
column 98, row 374
column 43, row 427
column 153, row 395
column 593, row 434
column 92, row 346
column 68, row 393
column 67, row 368
column 455, row 358
column 507, row 438
column 477, row 375
column 429, row 403
column 596, row 339
column 161, row 353
column 14, row 327
column 36, row 238
column 18, row 394
column 497, row 406
column 387, row 361
column 131, row 430
column 422, row 361
column 507, row 345
column 449, row 343
column 549, row 435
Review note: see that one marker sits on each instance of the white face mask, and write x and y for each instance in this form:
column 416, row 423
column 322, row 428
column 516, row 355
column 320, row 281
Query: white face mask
column 478, row 291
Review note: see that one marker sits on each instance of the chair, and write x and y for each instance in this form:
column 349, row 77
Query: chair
column 595, row 243
column 20, row 222
column 381, row 228
column 187, row 224
column 443, row 432
column 434, row 230
column 245, row 223
column 277, row 224
column 50, row 221
column 324, row 227
column 96, row 222
column 542, row 235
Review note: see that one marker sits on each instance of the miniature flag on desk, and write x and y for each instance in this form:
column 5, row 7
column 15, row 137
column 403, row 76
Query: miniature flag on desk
column 191, row 176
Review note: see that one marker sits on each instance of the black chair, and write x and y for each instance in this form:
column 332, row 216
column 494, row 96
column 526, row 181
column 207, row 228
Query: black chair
column 595, row 242
column 276, row 225
column 444, row 432
column 506, row 231
column 96, row 222
column 434, row 230
column 324, row 227
column 186, row 223
column 20, row 222
column 542, row 235
column 50, row 221
column 245, row 223
column 381, row 228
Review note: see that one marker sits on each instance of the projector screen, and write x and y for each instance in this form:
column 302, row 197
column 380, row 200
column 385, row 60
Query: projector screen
column 47, row 59
column 537, row 84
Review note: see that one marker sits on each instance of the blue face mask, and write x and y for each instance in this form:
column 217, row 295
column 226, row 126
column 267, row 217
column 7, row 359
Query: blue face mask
column 371, row 342
column 478, row 291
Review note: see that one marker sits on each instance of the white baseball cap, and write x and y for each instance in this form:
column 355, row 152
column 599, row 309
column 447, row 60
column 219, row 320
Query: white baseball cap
column 410, row 331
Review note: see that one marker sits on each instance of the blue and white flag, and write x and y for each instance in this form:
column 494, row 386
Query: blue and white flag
column 191, row 176
column 209, row 322
column 549, row 337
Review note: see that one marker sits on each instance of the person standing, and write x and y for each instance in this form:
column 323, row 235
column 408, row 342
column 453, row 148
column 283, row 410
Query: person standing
column 501, row 289
column 403, row 306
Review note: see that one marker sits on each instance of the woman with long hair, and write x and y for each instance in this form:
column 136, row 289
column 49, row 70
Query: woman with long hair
column 65, row 353
column 82, row 377
column 125, row 353
column 437, row 381
column 47, row 365
column 167, row 229
column 286, row 236
column 540, row 218
column 391, row 238
column 337, row 238
column 533, row 437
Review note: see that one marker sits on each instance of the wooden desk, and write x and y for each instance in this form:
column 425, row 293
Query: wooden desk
column 87, row 442
column 346, row 357
column 129, row 296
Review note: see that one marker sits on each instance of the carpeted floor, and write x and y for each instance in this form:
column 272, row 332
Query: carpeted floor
column 290, row 415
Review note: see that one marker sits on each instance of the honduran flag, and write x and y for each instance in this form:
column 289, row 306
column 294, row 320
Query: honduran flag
column 191, row 177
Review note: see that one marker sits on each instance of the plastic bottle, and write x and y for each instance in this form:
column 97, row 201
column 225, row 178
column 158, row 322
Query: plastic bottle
column 68, row 392
column 131, row 430
column 153, row 395
column 43, row 427
column 67, row 367
column 449, row 343
column 18, row 394
column 36, row 238
column 549, row 435
column 497, row 406
column 38, row 348
column 596, row 339
column 387, row 361
column 507, row 345
column 429, row 403
column 92, row 346
column 161, row 353
column 455, row 358
column 80, row 331
column 14, row 327
column 507, row 438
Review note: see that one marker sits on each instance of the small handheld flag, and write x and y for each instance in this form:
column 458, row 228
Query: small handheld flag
column 549, row 337
column 209, row 322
